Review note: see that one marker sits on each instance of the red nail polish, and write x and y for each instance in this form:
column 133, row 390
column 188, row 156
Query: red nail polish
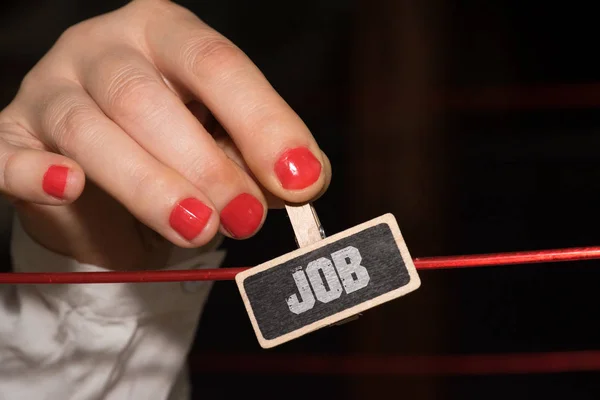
column 55, row 181
column 242, row 216
column 189, row 217
column 297, row 168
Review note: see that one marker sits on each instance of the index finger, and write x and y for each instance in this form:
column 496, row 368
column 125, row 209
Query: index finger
column 275, row 143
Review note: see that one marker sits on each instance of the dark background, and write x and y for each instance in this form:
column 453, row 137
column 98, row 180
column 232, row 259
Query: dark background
column 475, row 123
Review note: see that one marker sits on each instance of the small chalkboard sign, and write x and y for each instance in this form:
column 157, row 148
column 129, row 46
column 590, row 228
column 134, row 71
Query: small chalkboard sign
column 327, row 281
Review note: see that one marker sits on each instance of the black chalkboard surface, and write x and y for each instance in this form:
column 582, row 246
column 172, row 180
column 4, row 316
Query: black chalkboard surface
column 328, row 281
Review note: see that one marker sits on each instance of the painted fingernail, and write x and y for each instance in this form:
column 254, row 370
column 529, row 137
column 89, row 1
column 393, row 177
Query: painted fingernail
column 297, row 168
column 189, row 217
column 242, row 216
column 55, row 181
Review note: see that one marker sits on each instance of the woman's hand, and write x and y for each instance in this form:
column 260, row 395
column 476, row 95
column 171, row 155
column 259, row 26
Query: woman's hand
column 127, row 101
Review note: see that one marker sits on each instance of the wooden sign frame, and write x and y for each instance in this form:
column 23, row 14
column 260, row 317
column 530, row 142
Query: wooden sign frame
column 305, row 230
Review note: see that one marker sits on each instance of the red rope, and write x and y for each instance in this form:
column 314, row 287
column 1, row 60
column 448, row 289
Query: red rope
column 218, row 274
column 478, row 364
column 560, row 96
column 518, row 257
column 481, row 364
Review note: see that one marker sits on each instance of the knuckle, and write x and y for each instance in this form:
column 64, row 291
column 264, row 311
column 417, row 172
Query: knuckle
column 75, row 33
column 7, row 160
column 142, row 185
column 13, row 133
column 209, row 52
column 265, row 120
column 30, row 81
column 129, row 92
column 127, row 85
column 148, row 185
column 67, row 121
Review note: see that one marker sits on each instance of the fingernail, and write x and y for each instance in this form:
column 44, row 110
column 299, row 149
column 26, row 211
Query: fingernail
column 242, row 215
column 55, row 181
column 189, row 217
column 297, row 168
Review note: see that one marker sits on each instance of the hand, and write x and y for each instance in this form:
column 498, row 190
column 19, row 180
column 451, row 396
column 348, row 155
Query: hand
column 126, row 100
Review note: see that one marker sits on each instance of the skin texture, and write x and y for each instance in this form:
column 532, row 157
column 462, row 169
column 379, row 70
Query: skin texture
column 128, row 102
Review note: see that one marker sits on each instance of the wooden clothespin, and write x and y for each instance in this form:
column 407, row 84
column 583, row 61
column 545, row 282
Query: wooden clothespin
column 327, row 280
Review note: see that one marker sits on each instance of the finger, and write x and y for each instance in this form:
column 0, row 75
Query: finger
column 274, row 141
column 230, row 149
column 131, row 92
column 328, row 175
column 156, row 195
column 38, row 176
column 226, row 144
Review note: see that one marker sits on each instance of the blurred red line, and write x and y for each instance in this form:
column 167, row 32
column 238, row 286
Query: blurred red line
column 565, row 96
column 518, row 257
column 559, row 96
column 212, row 274
column 218, row 274
column 480, row 364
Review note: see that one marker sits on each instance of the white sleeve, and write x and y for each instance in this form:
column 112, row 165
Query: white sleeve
column 97, row 341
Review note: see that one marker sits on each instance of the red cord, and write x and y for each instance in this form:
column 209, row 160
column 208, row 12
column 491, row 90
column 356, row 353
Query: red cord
column 518, row 257
column 395, row 365
column 481, row 364
column 218, row 274
column 559, row 96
